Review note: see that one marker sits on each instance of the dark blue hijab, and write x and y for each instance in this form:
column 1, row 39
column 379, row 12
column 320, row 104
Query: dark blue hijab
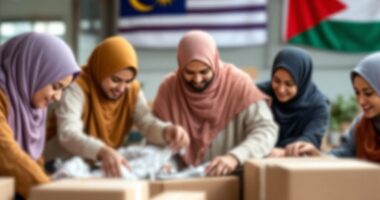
column 305, row 117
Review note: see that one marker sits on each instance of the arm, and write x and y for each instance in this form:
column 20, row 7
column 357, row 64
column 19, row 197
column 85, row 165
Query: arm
column 347, row 148
column 70, row 125
column 261, row 133
column 149, row 125
column 17, row 163
column 316, row 128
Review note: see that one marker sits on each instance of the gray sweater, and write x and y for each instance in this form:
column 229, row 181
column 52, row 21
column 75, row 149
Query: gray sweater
column 348, row 147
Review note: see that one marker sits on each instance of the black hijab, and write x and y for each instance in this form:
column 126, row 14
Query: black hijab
column 305, row 117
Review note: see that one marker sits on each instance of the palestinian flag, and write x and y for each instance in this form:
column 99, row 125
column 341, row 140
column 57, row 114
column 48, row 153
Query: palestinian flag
column 341, row 25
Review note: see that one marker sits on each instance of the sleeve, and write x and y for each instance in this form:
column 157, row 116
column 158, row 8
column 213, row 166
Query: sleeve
column 264, row 86
column 150, row 126
column 347, row 148
column 261, row 133
column 317, row 127
column 17, row 163
column 70, row 125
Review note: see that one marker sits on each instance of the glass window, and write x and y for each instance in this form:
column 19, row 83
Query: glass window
column 12, row 28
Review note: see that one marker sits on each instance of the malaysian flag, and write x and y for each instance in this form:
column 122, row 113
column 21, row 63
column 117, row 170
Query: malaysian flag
column 161, row 23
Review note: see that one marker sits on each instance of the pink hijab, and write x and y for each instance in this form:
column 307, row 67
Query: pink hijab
column 204, row 114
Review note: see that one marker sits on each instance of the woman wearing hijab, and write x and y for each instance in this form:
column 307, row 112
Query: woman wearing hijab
column 363, row 138
column 299, row 108
column 34, row 69
column 99, row 109
column 227, row 117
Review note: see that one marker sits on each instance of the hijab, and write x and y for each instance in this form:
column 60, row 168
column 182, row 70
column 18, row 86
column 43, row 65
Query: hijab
column 294, row 115
column 366, row 137
column 104, row 118
column 204, row 114
column 28, row 63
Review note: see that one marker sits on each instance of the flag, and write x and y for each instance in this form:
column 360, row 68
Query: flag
column 162, row 23
column 341, row 25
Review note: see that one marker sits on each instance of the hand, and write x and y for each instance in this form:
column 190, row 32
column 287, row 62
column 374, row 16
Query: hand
column 177, row 137
column 222, row 165
column 277, row 152
column 112, row 161
column 300, row 148
column 309, row 149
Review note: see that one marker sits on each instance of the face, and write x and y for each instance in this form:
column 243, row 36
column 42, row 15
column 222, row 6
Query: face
column 50, row 93
column 366, row 97
column 283, row 85
column 198, row 75
column 117, row 84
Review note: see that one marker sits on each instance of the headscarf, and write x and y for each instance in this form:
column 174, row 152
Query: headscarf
column 103, row 118
column 28, row 63
column 293, row 116
column 204, row 114
column 366, row 136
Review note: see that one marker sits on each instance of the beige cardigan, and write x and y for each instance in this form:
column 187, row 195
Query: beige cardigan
column 71, row 140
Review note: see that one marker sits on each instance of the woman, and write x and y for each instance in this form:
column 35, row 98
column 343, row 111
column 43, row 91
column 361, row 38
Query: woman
column 227, row 117
column 363, row 138
column 34, row 69
column 299, row 108
column 98, row 110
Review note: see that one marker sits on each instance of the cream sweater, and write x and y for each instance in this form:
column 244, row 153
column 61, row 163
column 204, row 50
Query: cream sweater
column 71, row 140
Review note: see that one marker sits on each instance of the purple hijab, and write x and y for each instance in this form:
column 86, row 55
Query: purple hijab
column 28, row 63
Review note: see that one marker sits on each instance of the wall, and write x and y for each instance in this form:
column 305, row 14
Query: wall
column 331, row 69
column 331, row 72
column 40, row 9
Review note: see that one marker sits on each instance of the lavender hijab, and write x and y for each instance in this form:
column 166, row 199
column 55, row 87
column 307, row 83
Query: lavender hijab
column 28, row 63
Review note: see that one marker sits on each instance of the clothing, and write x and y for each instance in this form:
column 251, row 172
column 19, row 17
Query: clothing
column 347, row 148
column 14, row 161
column 252, row 133
column 367, row 139
column 205, row 114
column 28, row 63
column 106, row 118
column 304, row 117
column 369, row 69
column 71, row 137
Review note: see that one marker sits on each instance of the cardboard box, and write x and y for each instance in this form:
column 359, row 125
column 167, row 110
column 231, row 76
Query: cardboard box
column 94, row 189
column 7, row 188
column 254, row 175
column 180, row 195
column 311, row 179
column 215, row 188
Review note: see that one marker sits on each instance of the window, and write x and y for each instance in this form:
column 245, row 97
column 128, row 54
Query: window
column 12, row 28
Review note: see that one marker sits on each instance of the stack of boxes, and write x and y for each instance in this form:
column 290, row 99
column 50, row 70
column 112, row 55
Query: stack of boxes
column 264, row 179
